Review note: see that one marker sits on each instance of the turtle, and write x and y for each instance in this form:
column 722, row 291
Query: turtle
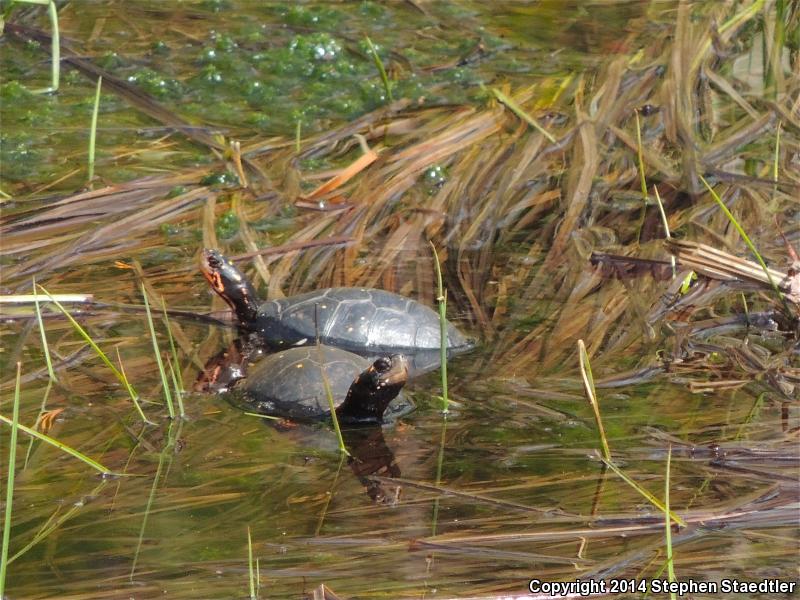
column 369, row 322
column 290, row 384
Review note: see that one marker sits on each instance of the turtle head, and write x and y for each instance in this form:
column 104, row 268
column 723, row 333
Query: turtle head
column 374, row 389
column 231, row 285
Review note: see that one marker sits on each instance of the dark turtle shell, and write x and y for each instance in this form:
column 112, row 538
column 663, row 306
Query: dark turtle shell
column 366, row 321
column 289, row 383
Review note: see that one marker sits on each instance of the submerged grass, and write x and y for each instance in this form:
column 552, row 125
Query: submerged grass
column 12, row 461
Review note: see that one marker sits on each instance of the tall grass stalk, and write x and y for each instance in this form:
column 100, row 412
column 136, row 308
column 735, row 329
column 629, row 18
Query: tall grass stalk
column 55, row 44
column 93, row 129
column 12, row 461
column 749, row 243
column 640, row 157
column 45, row 346
column 297, row 128
column 381, row 70
column 588, row 386
column 329, row 395
column 174, row 365
column 250, row 565
column 665, row 223
column 776, row 158
column 667, row 523
column 118, row 374
column 441, row 299
column 591, row 394
column 157, row 352
column 55, row 47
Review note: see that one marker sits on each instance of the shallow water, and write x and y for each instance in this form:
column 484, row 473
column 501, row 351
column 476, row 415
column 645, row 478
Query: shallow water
column 509, row 487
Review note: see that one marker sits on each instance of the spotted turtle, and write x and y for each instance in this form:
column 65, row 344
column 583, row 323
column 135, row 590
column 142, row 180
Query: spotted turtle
column 366, row 321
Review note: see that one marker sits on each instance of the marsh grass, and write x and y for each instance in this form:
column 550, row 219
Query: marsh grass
column 514, row 107
column 668, row 523
column 516, row 277
column 379, row 65
column 591, row 395
column 331, row 403
column 250, row 566
column 93, row 129
column 55, row 46
column 441, row 300
column 750, row 245
column 43, row 334
column 120, row 375
column 157, row 353
column 174, row 364
column 61, row 446
column 12, row 461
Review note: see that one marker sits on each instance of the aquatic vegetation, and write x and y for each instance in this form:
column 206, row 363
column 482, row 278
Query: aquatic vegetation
column 566, row 201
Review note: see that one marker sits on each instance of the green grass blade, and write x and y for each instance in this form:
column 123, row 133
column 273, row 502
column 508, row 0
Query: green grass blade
column 60, row 445
column 93, row 129
column 776, row 159
column 174, row 365
column 381, row 70
column 118, row 374
column 12, row 461
column 749, row 243
column 647, row 495
column 45, row 347
column 517, row 110
column 667, row 524
column 55, row 47
column 250, row 564
column 329, row 394
column 665, row 223
column 297, row 129
column 588, row 386
column 441, row 299
column 157, row 352
column 640, row 157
